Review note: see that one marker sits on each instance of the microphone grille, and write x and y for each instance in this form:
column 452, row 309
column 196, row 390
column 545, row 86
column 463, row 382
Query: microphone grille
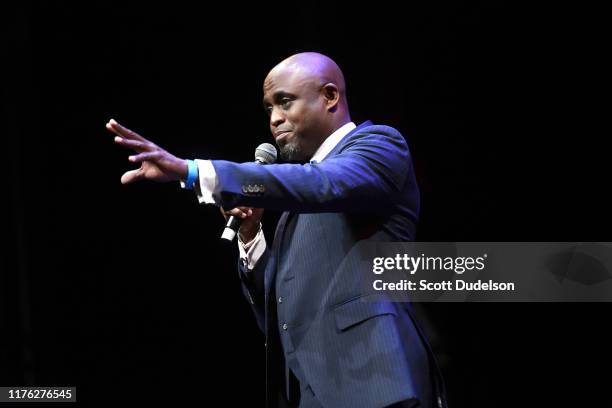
column 265, row 153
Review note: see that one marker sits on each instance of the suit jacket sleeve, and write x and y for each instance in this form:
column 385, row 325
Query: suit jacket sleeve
column 366, row 175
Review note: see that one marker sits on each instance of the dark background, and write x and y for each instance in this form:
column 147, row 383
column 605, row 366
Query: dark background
column 126, row 291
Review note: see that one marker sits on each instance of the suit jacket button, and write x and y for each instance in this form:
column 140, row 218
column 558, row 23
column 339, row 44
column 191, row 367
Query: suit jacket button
column 280, row 299
column 244, row 189
column 250, row 188
column 285, row 326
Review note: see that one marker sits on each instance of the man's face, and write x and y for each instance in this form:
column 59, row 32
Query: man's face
column 297, row 114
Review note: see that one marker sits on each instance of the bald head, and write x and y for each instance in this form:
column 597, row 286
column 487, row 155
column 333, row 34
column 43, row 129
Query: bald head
column 309, row 66
column 305, row 96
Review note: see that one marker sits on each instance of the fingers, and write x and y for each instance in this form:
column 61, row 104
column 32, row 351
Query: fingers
column 131, row 176
column 119, row 130
column 240, row 212
column 133, row 144
column 147, row 156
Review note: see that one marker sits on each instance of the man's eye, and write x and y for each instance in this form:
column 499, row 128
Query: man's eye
column 286, row 103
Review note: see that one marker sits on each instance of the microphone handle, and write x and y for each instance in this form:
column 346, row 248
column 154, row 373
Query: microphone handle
column 231, row 228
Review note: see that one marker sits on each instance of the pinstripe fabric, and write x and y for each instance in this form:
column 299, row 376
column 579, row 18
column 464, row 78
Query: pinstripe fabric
column 345, row 348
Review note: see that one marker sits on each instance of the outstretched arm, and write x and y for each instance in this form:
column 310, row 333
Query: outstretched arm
column 364, row 177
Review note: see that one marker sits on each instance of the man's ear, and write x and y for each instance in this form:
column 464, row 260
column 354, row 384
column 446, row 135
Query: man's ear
column 332, row 96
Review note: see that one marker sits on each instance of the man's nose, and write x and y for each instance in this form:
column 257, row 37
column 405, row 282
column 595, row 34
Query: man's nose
column 276, row 118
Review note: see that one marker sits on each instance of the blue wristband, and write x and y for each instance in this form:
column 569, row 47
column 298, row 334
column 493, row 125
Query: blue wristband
column 192, row 174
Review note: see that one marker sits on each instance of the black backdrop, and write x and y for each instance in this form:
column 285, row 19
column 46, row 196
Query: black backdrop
column 127, row 291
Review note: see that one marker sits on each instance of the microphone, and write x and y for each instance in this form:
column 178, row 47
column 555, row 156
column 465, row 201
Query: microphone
column 264, row 154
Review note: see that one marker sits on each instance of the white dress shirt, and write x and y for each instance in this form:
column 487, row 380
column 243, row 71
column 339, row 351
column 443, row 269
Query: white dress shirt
column 252, row 251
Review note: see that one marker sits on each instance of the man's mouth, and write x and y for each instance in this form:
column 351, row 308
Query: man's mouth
column 280, row 136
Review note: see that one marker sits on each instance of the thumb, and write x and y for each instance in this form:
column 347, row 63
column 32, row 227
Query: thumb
column 131, row 176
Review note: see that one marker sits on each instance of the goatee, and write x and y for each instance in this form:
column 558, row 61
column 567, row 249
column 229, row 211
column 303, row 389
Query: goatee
column 290, row 152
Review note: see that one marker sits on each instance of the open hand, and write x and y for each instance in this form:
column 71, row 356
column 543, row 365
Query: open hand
column 155, row 163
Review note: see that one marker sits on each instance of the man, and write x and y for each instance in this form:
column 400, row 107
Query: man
column 328, row 344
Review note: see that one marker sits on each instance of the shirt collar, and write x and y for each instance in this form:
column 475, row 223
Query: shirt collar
column 331, row 141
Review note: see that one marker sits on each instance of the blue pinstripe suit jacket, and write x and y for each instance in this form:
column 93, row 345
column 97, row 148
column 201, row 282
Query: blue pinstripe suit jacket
column 351, row 352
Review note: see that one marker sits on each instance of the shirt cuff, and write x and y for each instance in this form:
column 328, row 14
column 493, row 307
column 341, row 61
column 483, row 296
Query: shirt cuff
column 252, row 251
column 206, row 183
